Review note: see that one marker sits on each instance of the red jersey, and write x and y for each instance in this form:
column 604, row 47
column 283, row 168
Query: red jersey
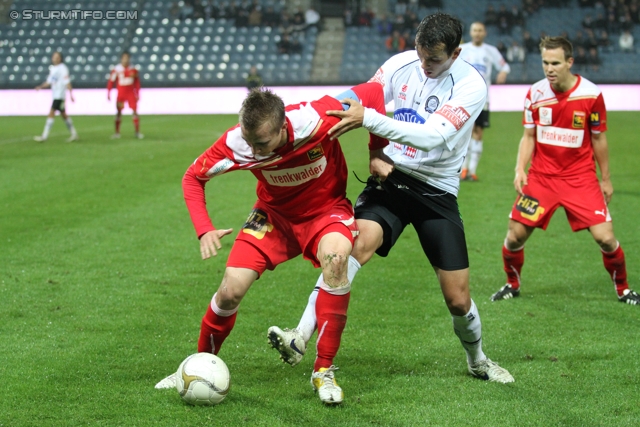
column 127, row 80
column 564, row 122
column 307, row 176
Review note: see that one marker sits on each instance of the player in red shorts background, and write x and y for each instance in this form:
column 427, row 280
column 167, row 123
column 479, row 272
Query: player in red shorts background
column 302, row 208
column 127, row 80
column 565, row 120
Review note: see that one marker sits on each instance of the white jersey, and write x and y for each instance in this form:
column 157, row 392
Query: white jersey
column 485, row 58
column 58, row 78
column 432, row 119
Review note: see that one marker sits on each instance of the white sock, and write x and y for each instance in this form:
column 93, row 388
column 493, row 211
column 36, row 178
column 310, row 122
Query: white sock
column 70, row 126
column 465, row 163
column 47, row 127
column 307, row 324
column 469, row 329
column 308, row 321
column 475, row 151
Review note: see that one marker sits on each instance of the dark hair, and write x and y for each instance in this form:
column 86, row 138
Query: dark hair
column 259, row 107
column 439, row 28
column 125, row 53
column 557, row 42
column 61, row 56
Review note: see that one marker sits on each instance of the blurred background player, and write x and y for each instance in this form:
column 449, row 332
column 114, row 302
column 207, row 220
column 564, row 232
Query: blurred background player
column 59, row 82
column 565, row 120
column 127, row 81
column 253, row 80
column 484, row 57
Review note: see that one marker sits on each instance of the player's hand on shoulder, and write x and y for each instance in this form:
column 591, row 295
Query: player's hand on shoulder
column 210, row 242
column 380, row 165
column 520, row 181
column 350, row 119
column 607, row 189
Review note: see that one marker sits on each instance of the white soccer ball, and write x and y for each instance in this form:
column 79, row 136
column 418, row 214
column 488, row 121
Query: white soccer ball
column 203, row 379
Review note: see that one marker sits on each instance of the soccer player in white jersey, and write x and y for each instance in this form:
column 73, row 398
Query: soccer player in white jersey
column 415, row 179
column 59, row 82
column 484, row 58
column 565, row 121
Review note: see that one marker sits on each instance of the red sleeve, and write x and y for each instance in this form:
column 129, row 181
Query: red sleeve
column 372, row 96
column 136, row 84
column 598, row 117
column 215, row 161
column 193, row 190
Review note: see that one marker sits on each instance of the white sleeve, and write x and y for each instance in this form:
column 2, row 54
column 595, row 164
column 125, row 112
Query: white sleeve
column 50, row 78
column 498, row 61
column 441, row 128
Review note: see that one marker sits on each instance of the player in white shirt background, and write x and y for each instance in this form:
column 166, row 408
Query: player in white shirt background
column 485, row 58
column 58, row 80
column 415, row 178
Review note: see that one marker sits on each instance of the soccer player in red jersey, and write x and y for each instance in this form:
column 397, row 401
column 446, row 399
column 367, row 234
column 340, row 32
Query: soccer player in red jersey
column 302, row 208
column 565, row 120
column 127, row 81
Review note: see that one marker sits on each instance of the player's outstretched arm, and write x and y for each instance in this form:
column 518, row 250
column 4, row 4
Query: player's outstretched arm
column 525, row 151
column 43, row 86
column 601, row 152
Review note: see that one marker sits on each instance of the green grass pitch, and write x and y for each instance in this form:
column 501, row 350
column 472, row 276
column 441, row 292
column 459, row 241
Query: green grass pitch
column 102, row 290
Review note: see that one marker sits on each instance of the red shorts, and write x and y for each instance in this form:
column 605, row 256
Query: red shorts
column 581, row 198
column 268, row 239
column 129, row 98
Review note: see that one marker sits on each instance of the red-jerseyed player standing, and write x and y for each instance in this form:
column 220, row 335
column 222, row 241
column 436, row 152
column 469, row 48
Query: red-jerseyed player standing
column 565, row 120
column 301, row 209
column 127, row 81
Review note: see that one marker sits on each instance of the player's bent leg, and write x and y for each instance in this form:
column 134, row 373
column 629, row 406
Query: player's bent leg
column 614, row 262
column 513, row 259
column 219, row 319
column 369, row 240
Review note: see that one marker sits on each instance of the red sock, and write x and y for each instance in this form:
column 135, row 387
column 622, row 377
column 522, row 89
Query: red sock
column 615, row 265
column 136, row 123
column 214, row 330
column 118, row 125
column 513, row 262
column 331, row 312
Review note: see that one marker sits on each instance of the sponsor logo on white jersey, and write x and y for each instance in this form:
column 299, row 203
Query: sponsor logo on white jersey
column 296, row 176
column 570, row 138
column 458, row 116
column 545, row 116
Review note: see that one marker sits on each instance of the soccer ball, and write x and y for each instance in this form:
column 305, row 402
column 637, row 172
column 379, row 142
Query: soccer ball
column 203, row 379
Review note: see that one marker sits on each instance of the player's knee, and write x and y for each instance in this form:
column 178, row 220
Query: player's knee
column 607, row 242
column 458, row 305
column 334, row 268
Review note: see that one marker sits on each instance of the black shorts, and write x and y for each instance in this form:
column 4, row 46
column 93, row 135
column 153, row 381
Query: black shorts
column 483, row 119
column 58, row 104
column 434, row 213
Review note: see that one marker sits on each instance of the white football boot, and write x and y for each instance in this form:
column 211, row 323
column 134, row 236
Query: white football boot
column 490, row 371
column 39, row 138
column 115, row 136
column 325, row 384
column 289, row 343
column 168, row 382
column 73, row 137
